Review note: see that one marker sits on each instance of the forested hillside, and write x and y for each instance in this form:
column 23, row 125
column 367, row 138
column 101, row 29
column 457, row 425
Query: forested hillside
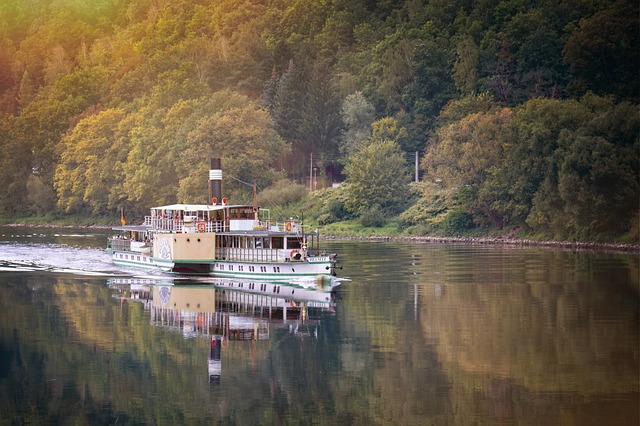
column 525, row 114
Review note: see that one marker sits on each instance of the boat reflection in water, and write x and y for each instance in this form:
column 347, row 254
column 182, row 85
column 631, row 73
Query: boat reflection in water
column 226, row 310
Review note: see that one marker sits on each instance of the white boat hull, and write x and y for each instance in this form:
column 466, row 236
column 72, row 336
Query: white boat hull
column 310, row 268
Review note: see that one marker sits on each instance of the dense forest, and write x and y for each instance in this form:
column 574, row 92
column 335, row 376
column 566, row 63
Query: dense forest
column 524, row 114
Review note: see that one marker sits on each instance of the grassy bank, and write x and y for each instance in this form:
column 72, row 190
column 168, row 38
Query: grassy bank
column 352, row 230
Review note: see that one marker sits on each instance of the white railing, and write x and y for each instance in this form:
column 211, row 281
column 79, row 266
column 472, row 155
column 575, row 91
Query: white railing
column 163, row 224
column 177, row 225
column 119, row 244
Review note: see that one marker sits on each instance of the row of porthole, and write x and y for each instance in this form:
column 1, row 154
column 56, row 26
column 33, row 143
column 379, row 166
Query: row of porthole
column 188, row 305
column 188, row 240
column 276, row 269
column 135, row 258
column 263, row 287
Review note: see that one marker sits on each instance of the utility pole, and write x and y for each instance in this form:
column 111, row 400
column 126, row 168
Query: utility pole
column 315, row 179
column 311, row 174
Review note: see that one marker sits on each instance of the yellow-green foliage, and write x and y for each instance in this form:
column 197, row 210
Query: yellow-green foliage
column 432, row 208
column 377, row 177
column 282, row 193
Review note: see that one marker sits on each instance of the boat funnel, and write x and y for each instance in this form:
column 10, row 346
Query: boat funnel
column 215, row 180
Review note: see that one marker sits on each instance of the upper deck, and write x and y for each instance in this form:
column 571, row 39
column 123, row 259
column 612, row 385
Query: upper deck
column 197, row 218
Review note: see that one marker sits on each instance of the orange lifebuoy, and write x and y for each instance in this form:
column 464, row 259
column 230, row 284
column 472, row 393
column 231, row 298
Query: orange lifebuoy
column 288, row 226
column 202, row 226
column 293, row 253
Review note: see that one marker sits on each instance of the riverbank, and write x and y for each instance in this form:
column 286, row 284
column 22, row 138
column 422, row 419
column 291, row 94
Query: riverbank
column 514, row 242
column 476, row 240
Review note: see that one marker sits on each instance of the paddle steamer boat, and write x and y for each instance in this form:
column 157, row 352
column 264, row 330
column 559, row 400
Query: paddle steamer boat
column 222, row 240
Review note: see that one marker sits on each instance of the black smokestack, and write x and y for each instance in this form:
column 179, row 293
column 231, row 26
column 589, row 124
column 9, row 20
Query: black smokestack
column 215, row 181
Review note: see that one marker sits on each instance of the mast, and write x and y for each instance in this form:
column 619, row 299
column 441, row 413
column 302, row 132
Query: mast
column 255, row 201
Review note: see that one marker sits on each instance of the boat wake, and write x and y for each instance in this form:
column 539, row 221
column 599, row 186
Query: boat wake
column 56, row 258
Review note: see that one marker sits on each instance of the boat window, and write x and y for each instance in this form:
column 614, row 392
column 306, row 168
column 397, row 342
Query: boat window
column 293, row 244
column 242, row 213
column 262, row 242
column 277, row 242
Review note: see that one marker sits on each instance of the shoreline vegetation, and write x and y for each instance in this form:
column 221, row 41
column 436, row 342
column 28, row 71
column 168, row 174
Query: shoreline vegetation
column 506, row 241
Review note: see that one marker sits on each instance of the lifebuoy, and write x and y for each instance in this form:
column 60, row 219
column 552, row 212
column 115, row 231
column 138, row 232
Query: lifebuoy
column 288, row 226
column 293, row 253
column 202, row 226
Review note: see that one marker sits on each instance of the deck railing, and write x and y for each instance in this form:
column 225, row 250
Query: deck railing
column 119, row 244
column 176, row 225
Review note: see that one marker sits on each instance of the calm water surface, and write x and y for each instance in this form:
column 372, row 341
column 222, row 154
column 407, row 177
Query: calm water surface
column 422, row 334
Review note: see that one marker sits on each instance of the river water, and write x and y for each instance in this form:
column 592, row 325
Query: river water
column 421, row 334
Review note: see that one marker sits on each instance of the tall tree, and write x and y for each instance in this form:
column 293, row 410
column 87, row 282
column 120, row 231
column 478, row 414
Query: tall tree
column 246, row 140
column 603, row 52
column 465, row 69
column 321, row 120
column 464, row 156
column 357, row 114
column 377, row 178
column 593, row 186
column 289, row 100
column 90, row 174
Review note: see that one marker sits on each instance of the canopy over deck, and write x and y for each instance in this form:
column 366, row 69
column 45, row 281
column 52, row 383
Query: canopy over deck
column 199, row 207
column 134, row 228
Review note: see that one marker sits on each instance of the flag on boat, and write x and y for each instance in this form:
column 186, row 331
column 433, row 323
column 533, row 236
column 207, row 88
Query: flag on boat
column 123, row 219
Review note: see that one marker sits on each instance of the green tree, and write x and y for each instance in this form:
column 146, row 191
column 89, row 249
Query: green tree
column 593, row 187
column 288, row 104
column 321, row 121
column 27, row 91
column 40, row 195
column 603, row 52
column 465, row 69
column 388, row 128
column 377, row 178
column 458, row 109
column 248, row 144
column 533, row 140
column 463, row 156
column 358, row 114
column 13, row 174
column 151, row 178
column 90, row 175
